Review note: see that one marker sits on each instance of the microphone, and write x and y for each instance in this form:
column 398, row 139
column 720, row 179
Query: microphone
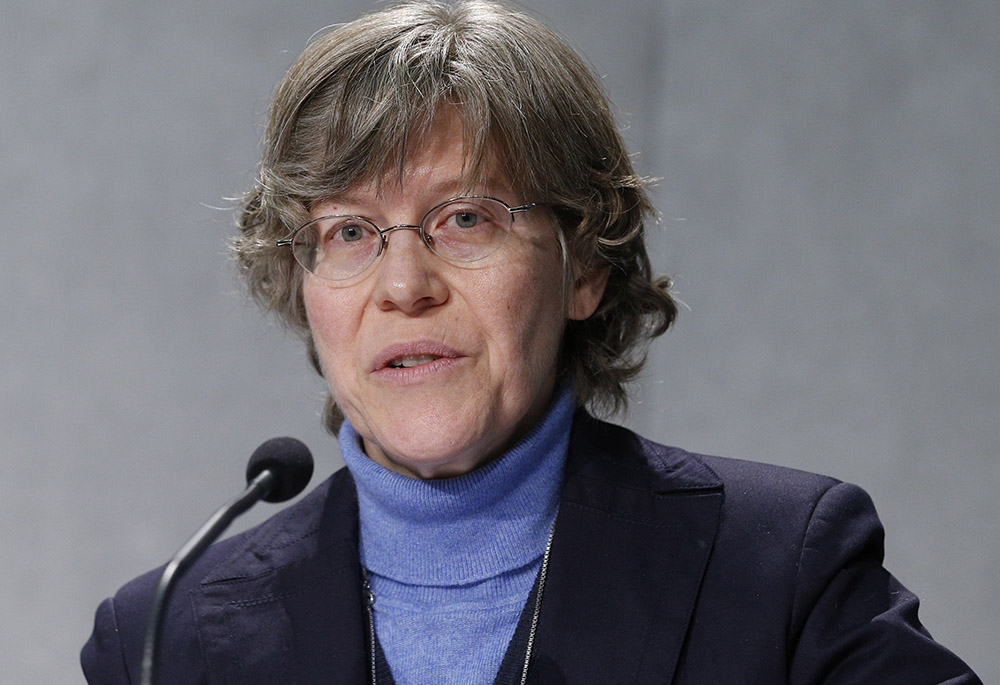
column 290, row 462
column 277, row 471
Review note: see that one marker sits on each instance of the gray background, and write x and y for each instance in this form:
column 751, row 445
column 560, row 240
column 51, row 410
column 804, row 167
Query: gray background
column 830, row 195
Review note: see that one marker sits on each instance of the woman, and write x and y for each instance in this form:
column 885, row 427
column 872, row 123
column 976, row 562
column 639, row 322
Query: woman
column 447, row 215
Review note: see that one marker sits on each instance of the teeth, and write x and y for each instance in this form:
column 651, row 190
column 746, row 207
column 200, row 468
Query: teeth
column 411, row 361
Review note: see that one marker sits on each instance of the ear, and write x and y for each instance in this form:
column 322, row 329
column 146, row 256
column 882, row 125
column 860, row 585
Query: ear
column 588, row 289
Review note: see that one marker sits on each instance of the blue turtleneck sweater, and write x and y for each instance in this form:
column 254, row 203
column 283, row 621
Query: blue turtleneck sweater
column 451, row 561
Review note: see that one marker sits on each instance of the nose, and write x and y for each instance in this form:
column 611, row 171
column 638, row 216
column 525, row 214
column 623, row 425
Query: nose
column 408, row 279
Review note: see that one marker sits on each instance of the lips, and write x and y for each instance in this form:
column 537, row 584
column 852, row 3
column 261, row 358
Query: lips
column 409, row 355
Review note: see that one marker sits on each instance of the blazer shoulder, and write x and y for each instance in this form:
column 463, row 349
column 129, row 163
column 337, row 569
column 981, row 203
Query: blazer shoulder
column 604, row 451
column 295, row 533
column 599, row 447
column 786, row 503
column 290, row 534
column 756, row 496
column 750, row 479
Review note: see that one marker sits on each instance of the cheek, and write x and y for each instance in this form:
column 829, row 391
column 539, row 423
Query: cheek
column 330, row 322
column 530, row 313
column 316, row 313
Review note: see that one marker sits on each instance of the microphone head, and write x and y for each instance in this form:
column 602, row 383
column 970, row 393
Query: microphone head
column 289, row 460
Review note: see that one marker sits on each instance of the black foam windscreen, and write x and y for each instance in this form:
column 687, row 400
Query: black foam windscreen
column 289, row 460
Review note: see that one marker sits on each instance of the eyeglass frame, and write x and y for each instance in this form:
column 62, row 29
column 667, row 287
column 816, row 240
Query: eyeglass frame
column 424, row 238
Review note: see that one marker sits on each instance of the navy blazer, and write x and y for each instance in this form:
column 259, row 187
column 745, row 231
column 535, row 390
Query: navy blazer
column 666, row 567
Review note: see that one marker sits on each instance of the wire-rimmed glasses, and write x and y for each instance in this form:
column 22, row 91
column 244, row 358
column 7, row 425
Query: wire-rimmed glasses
column 459, row 230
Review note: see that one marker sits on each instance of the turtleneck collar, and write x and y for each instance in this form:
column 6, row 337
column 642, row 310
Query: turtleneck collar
column 468, row 528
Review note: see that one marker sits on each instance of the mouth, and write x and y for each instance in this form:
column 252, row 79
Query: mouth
column 408, row 361
column 414, row 355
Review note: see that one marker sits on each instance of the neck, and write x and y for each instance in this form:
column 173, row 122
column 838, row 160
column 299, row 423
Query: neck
column 468, row 528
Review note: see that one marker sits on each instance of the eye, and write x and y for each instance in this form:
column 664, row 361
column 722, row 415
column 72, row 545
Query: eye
column 349, row 233
column 467, row 229
column 466, row 219
column 466, row 215
column 338, row 232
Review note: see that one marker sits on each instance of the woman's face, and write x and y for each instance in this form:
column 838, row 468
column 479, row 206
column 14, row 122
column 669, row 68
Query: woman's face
column 484, row 336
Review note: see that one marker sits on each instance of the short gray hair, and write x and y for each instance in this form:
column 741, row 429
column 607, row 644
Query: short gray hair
column 352, row 105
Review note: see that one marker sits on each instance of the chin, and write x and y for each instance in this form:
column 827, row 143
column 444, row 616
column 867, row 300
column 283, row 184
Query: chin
column 439, row 455
column 428, row 457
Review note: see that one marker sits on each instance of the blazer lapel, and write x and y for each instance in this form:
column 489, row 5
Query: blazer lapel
column 290, row 611
column 633, row 536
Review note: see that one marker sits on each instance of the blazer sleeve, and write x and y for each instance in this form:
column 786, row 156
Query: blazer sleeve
column 103, row 656
column 856, row 622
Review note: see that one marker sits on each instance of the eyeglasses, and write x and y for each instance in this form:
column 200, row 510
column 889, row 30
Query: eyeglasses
column 460, row 230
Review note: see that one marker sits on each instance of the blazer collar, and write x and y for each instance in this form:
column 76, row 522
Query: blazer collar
column 634, row 532
column 633, row 537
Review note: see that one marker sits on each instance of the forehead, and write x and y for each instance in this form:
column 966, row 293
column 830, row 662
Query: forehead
column 440, row 163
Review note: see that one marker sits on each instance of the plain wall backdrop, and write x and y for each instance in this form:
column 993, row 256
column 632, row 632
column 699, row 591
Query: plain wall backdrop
column 830, row 197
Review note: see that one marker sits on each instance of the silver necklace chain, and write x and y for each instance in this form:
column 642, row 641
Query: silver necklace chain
column 538, row 604
column 542, row 573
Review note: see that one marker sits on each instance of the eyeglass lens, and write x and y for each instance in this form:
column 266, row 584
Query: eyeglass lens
column 461, row 230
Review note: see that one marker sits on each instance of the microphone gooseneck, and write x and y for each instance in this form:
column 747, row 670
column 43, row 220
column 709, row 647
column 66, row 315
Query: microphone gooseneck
column 278, row 470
